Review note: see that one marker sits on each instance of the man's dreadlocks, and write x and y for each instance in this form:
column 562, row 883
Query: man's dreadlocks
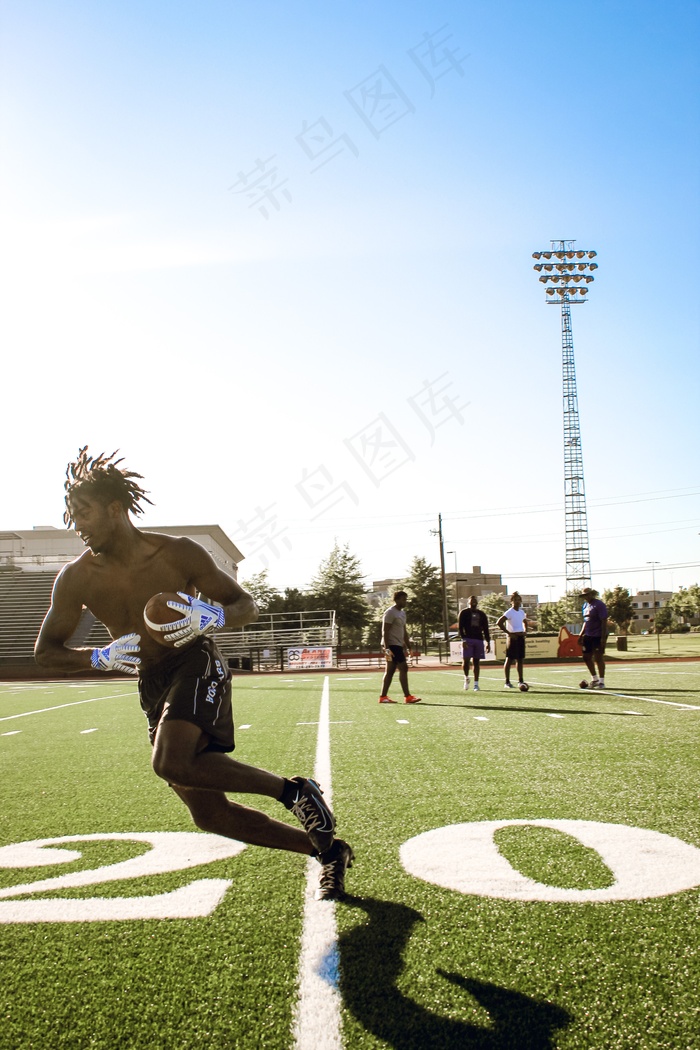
column 101, row 478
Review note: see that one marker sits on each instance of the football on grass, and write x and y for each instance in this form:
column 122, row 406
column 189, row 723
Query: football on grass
column 158, row 611
column 583, row 684
column 523, row 687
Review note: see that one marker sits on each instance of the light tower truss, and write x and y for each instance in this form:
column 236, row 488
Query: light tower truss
column 566, row 273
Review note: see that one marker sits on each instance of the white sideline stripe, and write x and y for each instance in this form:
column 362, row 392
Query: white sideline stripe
column 601, row 692
column 317, row 1015
column 13, row 732
column 649, row 699
column 43, row 710
column 611, row 692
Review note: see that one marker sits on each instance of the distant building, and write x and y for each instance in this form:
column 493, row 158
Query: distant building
column 462, row 585
column 47, row 549
column 646, row 604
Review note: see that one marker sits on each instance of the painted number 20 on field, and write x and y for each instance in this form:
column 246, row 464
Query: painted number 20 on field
column 460, row 857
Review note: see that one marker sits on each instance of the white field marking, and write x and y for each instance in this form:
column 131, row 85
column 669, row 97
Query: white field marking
column 245, row 727
column 84, row 731
column 339, row 722
column 403, row 721
column 171, row 851
column 480, row 718
column 317, row 1015
column 648, row 699
column 465, row 858
column 43, row 710
column 632, row 713
column 550, row 715
column 635, row 670
column 13, row 732
column 609, row 692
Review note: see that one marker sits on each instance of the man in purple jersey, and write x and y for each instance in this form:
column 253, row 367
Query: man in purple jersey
column 474, row 631
column 593, row 636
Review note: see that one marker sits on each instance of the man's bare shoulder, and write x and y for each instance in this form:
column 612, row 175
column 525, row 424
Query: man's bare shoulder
column 77, row 569
column 74, row 577
column 178, row 547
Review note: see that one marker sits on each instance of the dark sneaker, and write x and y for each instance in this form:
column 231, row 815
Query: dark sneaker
column 312, row 812
column 335, row 862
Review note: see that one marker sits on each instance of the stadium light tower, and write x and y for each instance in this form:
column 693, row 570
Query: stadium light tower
column 566, row 273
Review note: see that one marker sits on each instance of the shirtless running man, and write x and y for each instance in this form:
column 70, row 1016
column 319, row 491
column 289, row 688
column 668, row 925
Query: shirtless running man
column 185, row 692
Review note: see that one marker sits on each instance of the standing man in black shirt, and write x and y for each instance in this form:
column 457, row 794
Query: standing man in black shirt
column 474, row 631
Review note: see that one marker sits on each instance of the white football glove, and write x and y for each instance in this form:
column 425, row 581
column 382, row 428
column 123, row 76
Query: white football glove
column 199, row 618
column 119, row 655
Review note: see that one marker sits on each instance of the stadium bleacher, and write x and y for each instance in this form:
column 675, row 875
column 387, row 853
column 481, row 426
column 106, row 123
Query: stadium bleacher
column 24, row 599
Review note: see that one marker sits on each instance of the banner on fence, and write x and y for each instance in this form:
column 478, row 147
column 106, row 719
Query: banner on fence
column 308, row 657
column 542, row 648
column 539, row 648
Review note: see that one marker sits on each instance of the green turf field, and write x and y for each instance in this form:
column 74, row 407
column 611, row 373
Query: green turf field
column 524, row 937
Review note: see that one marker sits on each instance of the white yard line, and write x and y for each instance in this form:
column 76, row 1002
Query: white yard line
column 317, row 1023
column 43, row 710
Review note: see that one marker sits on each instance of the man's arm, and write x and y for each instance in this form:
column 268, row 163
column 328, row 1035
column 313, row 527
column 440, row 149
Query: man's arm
column 383, row 640
column 215, row 585
column 485, row 629
column 59, row 624
column 501, row 622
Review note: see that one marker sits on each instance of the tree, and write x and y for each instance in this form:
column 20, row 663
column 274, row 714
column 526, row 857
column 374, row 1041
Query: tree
column 570, row 609
column 686, row 602
column 424, row 588
column 494, row 605
column 264, row 593
column 620, row 608
column 338, row 585
column 553, row 615
column 549, row 617
column 372, row 637
column 664, row 619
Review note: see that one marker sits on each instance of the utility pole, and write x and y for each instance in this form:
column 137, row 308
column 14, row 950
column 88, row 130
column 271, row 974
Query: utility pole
column 438, row 532
column 653, row 602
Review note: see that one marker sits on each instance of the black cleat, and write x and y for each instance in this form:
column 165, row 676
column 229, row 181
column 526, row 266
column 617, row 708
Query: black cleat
column 335, row 862
column 312, row 812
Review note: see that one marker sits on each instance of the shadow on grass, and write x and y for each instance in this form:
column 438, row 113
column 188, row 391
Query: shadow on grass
column 535, row 710
column 371, row 962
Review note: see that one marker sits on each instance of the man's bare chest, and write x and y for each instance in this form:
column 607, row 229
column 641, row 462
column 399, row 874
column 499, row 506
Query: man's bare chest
column 117, row 595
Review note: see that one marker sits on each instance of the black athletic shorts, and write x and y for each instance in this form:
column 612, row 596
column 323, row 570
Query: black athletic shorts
column 193, row 685
column 515, row 648
column 592, row 643
column 398, row 652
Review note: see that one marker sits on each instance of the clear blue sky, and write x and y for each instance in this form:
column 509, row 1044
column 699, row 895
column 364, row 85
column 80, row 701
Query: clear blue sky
column 280, row 255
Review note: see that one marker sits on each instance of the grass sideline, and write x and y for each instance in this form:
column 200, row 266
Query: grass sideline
column 420, row 965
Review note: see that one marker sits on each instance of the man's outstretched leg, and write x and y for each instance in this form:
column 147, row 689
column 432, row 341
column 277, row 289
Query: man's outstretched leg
column 214, row 813
column 179, row 757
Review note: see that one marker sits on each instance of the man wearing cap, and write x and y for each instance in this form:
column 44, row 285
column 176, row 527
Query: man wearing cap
column 593, row 636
